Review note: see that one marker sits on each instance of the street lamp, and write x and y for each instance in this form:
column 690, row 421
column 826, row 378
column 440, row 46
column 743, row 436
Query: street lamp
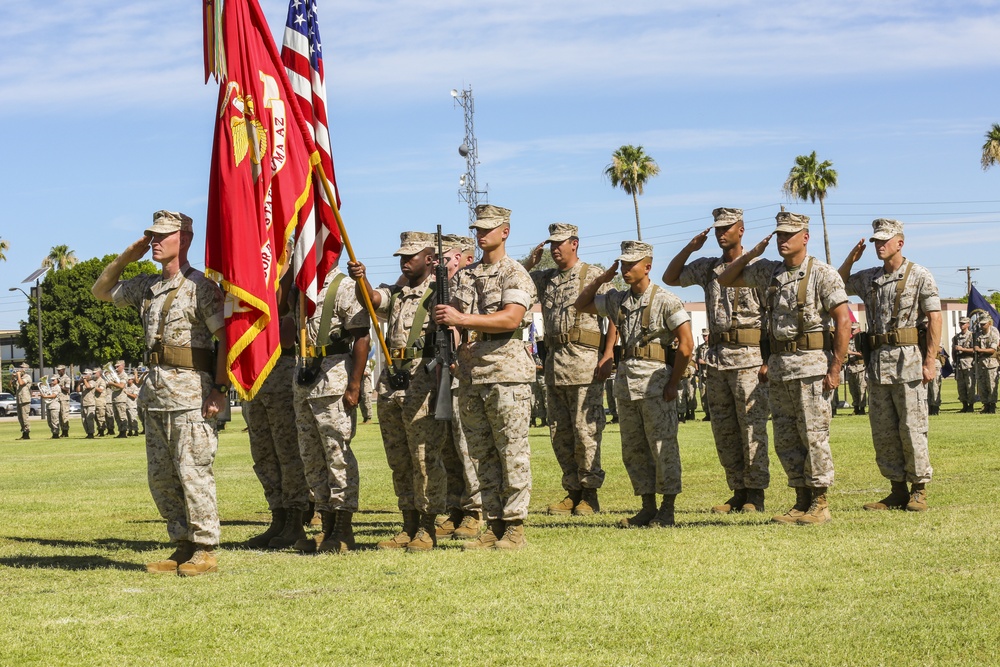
column 37, row 277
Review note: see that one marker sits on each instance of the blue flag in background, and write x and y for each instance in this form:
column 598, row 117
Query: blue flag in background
column 977, row 302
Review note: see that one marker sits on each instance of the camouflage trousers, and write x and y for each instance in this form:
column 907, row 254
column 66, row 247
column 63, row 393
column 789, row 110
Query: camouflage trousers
column 965, row 378
column 121, row 416
column 132, row 417
column 609, row 394
column 739, row 410
column 538, row 402
column 325, row 429
column 365, row 399
column 99, row 411
column 53, row 410
column 687, row 396
column 934, row 392
column 898, row 416
column 64, row 413
column 463, row 485
column 109, row 417
column 413, row 441
column 88, row 415
column 649, row 444
column 23, row 413
column 800, row 415
column 857, row 384
column 576, row 422
column 180, row 452
column 703, row 392
column 986, row 383
column 274, row 448
column 495, row 422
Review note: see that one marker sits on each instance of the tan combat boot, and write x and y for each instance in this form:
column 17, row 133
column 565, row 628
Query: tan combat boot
column 754, row 502
column 644, row 516
column 202, row 562
column 426, row 537
column 181, row 554
column 342, row 539
column 488, row 538
column 665, row 515
column 447, row 525
column 292, row 532
column 309, row 544
column 734, row 504
column 469, row 528
column 918, row 499
column 278, row 519
column 803, row 499
column 588, row 504
column 565, row 506
column 819, row 510
column 896, row 500
column 411, row 523
column 513, row 536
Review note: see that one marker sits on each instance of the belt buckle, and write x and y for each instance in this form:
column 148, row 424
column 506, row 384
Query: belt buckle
column 562, row 339
column 154, row 359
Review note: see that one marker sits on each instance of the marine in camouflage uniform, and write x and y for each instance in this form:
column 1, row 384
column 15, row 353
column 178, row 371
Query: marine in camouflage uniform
column 132, row 406
column 274, row 448
column 963, row 357
column 181, row 311
column 578, row 359
column 648, row 318
column 737, row 399
column 65, row 387
column 495, row 370
column 88, row 403
column 326, row 403
column 412, row 435
column 53, row 405
column 687, row 401
column 857, row 374
column 987, row 342
column 119, row 402
column 934, row 386
column 902, row 305
column 808, row 322
column 701, row 372
column 365, row 403
column 22, row 397
column 101, row 396
column 538, row 398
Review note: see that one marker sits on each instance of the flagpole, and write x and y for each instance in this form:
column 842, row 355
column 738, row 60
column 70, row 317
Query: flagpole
column 318, row 168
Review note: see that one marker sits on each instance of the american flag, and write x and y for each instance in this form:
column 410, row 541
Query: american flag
column 318, row 243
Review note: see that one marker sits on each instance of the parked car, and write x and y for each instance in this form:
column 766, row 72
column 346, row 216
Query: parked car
column 74, row 406
column 8, row 404
column 36, row 407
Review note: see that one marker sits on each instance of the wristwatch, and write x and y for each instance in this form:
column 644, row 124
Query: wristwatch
column 221, row 388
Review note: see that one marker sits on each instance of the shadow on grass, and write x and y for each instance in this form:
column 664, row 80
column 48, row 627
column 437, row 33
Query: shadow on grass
column 100, row 543
column 68, row 563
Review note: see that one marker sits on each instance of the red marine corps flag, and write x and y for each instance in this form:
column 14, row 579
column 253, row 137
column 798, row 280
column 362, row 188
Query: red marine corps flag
column 262, row 162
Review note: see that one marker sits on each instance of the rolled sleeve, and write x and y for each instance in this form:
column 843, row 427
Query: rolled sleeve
column 675, row 319
column 516, row 296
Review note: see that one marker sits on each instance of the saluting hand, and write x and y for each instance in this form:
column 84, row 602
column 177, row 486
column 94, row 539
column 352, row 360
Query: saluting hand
column 610, row 274
column 698, row 241
column 857, row 251
column 536, row 254
column 759, row 249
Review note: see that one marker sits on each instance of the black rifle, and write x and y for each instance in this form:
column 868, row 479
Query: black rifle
column 444, row 353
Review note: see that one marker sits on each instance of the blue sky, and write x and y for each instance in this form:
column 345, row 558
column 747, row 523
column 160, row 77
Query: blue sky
column 107, row 120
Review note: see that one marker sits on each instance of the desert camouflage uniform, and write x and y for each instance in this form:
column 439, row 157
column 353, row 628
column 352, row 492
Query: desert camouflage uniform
column 88, row 403
column 324, row 425
column 274, row 443
column 65, row 387
column 119, row 405
column 575, row 405
column 538, row 397
column 648, row 422
column 857, row 374
column 22, row 396
column 412, row 437
column 800, row 408
column 180, row 443
column 738, row 403
column 701, row 373
column 687, row 390
column 365, row 399
column 934, row 386
column 897, row 399
column 495, row 389
column 965, row 372
column 986, row 366
column 53, row 406
column 463, row 484
column 101, row 396
column 132, row 408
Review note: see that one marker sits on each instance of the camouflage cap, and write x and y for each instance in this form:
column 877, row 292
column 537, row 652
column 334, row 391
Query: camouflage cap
column 53, row 379
column 489, row 216
column 633, row 251
column 885, row 229
column 410, row 243
column 962, row 320
column 24, row 365
column 791, row 222
column 704, row 332
column 167, row 222
column 60, row 367
column 456, row 242
column 560, row 231
column 727, row 216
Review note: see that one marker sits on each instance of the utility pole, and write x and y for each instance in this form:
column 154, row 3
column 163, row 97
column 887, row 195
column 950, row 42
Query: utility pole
column 468, row 190
column 968, row 278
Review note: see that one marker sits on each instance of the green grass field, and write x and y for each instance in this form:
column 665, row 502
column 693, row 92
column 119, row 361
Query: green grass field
column 77, row 524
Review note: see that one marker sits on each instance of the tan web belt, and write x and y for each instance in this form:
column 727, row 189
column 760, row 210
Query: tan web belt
column 197, row 358
column 816, row 340
column 480, row 336
column 908, row 336
column 749, row 337
column 336, row 347
column 406, row 353
column 576, row 335
column 652, row 351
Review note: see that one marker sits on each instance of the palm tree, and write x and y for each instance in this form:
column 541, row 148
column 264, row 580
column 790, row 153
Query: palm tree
column 4, row 247
column 991, row 149
column 60, row 257
column 809, row 180
column 630, row 168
